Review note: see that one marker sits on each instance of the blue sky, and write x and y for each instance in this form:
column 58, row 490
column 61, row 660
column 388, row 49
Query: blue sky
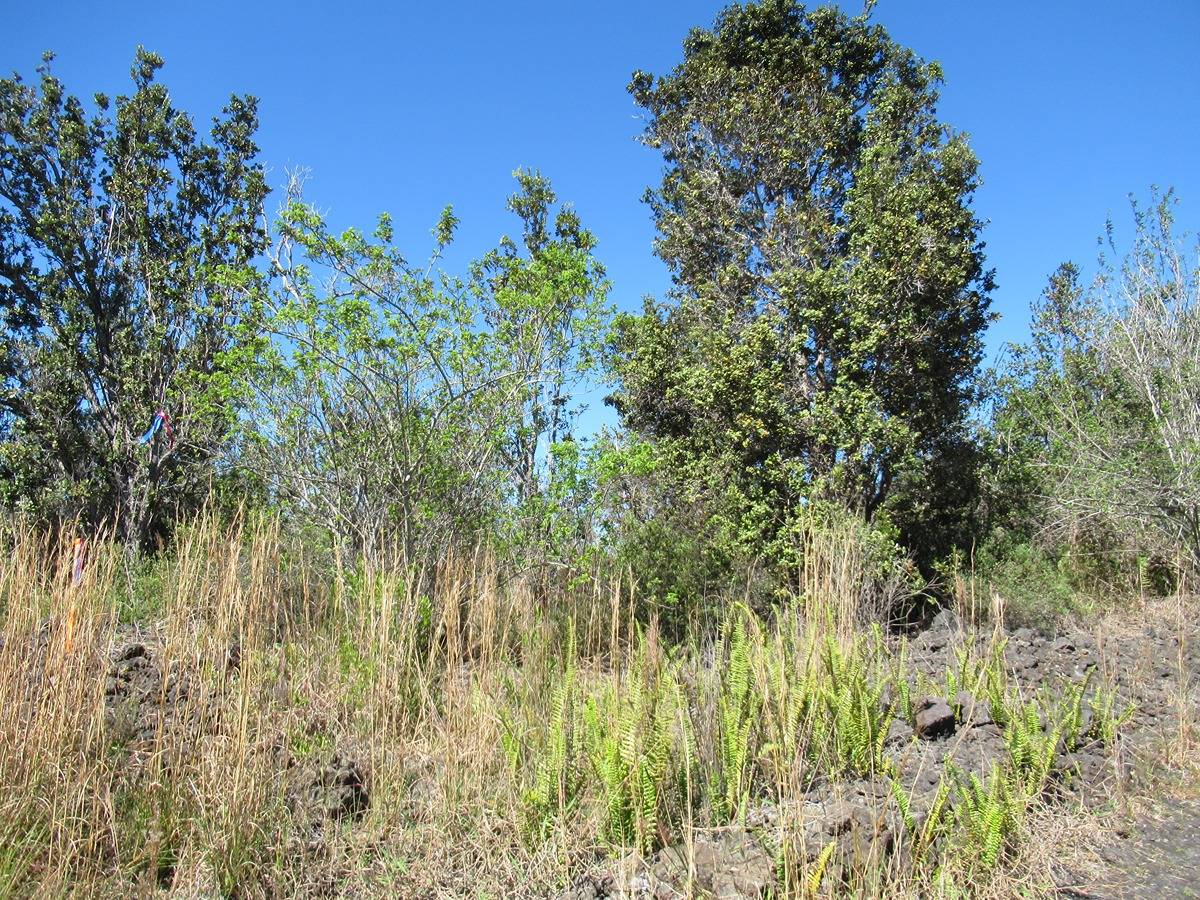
column 405, row 107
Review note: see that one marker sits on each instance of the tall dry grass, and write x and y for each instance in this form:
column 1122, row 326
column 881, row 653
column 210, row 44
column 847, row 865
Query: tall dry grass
column 474, row 702
column 265, row 660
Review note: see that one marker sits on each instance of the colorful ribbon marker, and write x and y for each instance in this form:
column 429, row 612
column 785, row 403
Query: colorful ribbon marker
column 161, row 420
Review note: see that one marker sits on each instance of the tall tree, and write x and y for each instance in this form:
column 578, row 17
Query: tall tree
column 824, row 334
column 126, row 250
column 544, row 300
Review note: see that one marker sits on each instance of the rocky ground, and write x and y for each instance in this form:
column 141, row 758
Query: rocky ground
column 1142, row 815
column 142, row 698
column 1126, row 815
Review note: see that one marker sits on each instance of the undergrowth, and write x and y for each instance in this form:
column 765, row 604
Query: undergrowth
column 515, row 738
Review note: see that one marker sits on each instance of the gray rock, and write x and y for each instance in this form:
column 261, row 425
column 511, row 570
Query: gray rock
column 731, row 864
column 131, row 652
column 898, row 733
column 934, row 719
column 972, row 711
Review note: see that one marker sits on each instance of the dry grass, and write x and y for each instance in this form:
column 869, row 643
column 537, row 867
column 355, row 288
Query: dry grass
column 441, row 683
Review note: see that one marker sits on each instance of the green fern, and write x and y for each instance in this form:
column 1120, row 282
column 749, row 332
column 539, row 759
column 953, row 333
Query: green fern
column 738, row 714
column 994, row 685
column 901, row 691
column 1070, row 713
column 968, row 673
column 791, row 696
column 817, row 875
column 924, row 835
column 557, row 780
column 632, row 739
column 1031, row 747
column 934, row 820
column 1106, row 721
column 988, row 816
column 851, row 722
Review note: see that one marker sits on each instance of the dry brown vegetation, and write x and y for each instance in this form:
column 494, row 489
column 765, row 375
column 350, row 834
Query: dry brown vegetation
column 272, row 725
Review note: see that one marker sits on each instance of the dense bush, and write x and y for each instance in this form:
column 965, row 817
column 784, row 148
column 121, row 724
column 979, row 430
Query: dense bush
column 1096, row 470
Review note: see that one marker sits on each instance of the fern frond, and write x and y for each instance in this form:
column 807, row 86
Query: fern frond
column 817, row 875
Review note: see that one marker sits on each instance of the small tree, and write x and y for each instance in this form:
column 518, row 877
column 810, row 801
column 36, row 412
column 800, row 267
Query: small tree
column 374, row 404
column 1102, row 407
column 126, row 249
column 544, row 304
column 404, row 408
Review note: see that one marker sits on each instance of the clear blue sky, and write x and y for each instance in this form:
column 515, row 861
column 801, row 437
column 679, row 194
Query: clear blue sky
column 406, row 106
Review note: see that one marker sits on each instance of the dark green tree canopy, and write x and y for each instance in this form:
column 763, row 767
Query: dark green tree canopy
column 831, row 292
column 126, row 244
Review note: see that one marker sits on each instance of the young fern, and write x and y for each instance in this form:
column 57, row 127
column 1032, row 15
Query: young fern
column 968, row 672
column 1106, row 721
column 631, row 746
column 817, row 875
column 934, row 821
column 557, row 780
column 737, row 715
column 901, row 690
column 1070, row 713
column 988, row 816
column 994, row 683
column 1031, row 748
column 926, row 833
column 851, row 718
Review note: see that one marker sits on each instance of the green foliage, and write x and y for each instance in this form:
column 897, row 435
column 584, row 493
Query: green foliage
column 989, row 815
column 1098, row 450
column 968, row 672
column 817, row 874
column 639, row 747
column 404, row 408
column 127, row 245
column 152, row 821
column 1091, row 716
column 544, row 302
column 618, row 745
column 1106, row 720
column 737, row 719
column 923, row 834
column 356, row 667
column 787, row 706
column 22, row 843
column 684, row 565
column 850, row 722
column 902, row 701
column 826, row 329
column 1038, row 586
column 140, row 595
column 558, row 779
column 1031, row 746
column 367, row 391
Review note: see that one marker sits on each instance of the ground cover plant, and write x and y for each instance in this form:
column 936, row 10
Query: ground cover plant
column 278, row 728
